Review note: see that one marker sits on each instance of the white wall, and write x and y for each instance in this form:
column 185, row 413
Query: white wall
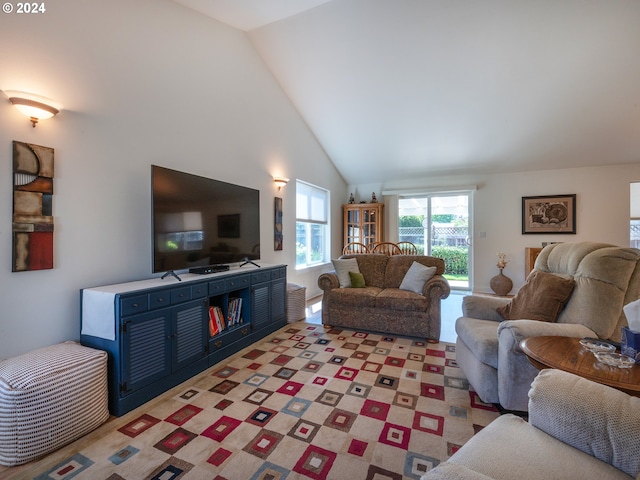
column 144, row 82
column 602, row 212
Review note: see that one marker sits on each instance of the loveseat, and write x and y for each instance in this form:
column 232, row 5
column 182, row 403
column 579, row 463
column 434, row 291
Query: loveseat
column 380, row 305
column 602, row 278
column 577, row 429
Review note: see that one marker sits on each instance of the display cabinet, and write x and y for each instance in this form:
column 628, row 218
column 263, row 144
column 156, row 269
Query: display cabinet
column 363, row 223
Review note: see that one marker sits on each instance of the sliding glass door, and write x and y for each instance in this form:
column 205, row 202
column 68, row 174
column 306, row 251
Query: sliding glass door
column 438, row 224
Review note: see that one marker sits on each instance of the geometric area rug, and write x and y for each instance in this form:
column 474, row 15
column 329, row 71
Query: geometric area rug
column 304, row 403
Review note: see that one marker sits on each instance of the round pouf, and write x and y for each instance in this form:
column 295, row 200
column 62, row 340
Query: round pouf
column 501, row 284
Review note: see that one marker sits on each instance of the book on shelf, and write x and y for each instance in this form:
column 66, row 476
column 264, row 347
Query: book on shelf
column 216, row 320
column 234, row 314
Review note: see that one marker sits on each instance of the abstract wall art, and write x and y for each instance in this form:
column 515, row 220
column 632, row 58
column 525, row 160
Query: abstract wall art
column 277, row 224
column 32, row 207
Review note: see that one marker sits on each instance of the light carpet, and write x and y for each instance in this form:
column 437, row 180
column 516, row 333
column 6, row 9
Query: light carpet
column 306, row 402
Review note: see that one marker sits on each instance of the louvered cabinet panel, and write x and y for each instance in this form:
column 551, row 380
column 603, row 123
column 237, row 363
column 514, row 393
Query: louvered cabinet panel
column 146, row 346
column 190, row 337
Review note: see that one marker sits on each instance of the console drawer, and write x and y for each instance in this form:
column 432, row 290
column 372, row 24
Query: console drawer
column 133, row 305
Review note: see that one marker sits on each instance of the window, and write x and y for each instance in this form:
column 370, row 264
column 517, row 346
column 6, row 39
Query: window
column 312, row 225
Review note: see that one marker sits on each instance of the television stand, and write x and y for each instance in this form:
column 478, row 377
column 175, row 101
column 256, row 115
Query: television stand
column 171, row 273
column 246, row 260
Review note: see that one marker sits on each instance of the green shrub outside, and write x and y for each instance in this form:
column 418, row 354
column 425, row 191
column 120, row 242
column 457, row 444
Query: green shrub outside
column 456, row 259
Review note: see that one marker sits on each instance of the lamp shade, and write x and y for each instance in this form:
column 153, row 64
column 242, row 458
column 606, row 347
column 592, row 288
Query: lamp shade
column 33, row 106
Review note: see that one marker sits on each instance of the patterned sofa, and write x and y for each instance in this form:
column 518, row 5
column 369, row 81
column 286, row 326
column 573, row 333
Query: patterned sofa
column 381, row 306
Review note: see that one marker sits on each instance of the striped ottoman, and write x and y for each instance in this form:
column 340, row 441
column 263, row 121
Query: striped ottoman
column 48, row 398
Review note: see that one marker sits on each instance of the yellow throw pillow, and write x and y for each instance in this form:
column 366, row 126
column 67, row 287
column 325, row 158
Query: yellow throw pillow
column 357, row 280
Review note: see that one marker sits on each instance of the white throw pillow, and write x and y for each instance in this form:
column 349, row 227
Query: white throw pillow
column 342, row 267
column 416, row 277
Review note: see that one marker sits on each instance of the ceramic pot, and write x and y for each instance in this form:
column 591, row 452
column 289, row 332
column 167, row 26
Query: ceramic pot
column 501, row 284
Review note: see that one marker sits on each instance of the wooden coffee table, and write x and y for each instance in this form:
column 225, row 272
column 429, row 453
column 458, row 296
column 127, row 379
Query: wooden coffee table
column 566, row 353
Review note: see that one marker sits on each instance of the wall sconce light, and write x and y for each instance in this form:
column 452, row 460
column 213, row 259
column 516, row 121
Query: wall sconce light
column 33, row 106
column 280, row 182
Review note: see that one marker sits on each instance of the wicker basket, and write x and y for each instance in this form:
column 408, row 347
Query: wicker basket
column 296, row 302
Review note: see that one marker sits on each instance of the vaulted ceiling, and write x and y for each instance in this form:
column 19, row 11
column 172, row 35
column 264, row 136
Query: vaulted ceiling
column 401, row 89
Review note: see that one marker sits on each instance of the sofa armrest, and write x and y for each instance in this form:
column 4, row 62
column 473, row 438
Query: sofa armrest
column 483, row 307
column 436, row 287
column 512, row 332
column 599, row 420
column 328, row 281
column 453, row 471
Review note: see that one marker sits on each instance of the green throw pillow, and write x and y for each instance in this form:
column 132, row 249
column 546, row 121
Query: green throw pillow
column 357, row 280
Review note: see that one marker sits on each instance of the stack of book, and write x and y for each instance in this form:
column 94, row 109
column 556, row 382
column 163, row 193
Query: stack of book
column 217, row 320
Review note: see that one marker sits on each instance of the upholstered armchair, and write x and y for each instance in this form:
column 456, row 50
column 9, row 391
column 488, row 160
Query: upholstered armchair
column 602, row 279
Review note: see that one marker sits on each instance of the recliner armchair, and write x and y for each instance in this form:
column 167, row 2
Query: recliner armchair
column 488, row 347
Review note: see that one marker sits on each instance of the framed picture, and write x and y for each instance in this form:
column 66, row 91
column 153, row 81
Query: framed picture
column 277, row 224
column 549, row 214
column 229, row 226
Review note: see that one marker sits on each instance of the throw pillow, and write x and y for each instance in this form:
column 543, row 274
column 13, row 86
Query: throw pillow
column 416, row 277
column 357, row 280
column 342, row 267
column 542, row 297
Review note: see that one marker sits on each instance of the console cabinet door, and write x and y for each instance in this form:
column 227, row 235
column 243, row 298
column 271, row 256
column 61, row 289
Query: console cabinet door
column 261, row 303
column 278, row 300
column 189, row 336
column 146, row 349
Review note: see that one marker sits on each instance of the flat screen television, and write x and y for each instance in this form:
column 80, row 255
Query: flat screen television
column 199, row 221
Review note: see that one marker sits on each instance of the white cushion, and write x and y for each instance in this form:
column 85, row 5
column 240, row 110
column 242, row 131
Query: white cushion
column 342, row 267
column 416, row 277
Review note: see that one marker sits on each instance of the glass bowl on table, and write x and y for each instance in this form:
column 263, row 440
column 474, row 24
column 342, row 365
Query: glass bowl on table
column 597, row 346
column 615, row 359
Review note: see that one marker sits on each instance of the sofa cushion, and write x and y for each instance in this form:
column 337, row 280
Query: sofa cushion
column 398, row 265
column 342, row 267
column 416, row 277
column 372, row 266
column 401, row 300
column 541, row 297
column 354, row 297
column 357, row 280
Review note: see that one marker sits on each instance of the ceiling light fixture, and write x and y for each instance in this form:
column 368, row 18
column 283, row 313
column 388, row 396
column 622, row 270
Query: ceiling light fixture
column 280, row 182
column 33, row 106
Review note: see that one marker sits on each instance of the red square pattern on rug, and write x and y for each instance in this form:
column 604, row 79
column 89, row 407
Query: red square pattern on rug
column 219, row 456
column 377, row 410
column 395, row 435
column 340, row 420
column 432, row 391
column 357, row 447
column 223, row 427
column 428, row 367
column 477, row 403
column 290, row 388
column 346, row 373
column 182, row 416
column 315, row 463
column 426, row 422
column 436, row 353
column 394, row 362
column 263, row 444
column 139, row 425
column 175, row 441
column 281, row 360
